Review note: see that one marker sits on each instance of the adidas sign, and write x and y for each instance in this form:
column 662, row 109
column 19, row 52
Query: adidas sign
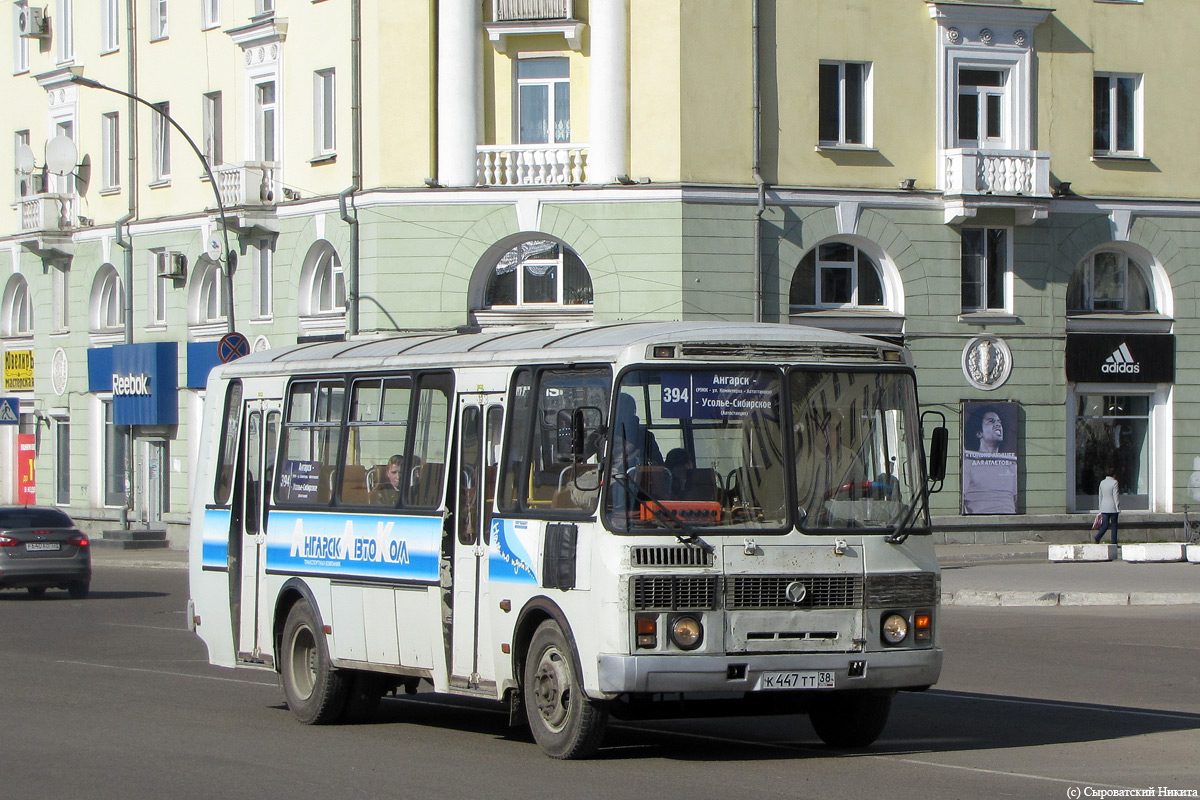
column 1121, row 361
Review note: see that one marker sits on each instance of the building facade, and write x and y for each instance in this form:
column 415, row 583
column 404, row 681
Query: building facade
column 1007, row 188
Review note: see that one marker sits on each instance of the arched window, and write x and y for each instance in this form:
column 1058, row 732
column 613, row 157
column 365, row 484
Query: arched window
column 323, row 283
column 208, row 296
column 18, row 311
column 837, row 275
column 538, row 274
column 1109, row 281
column 108, row 300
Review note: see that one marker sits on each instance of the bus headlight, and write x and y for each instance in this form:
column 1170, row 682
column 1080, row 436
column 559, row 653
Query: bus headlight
column 687, row 633
column 894, row 629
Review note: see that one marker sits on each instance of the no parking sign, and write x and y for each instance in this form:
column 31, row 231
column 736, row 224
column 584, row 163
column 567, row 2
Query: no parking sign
column 232, row 346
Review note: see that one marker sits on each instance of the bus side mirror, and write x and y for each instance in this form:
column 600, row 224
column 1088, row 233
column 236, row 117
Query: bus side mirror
column 938, row 446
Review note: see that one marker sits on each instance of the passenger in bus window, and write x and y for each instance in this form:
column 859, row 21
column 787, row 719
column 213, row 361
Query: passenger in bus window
column 635, row 444
column 388, row 492
column 680, row 465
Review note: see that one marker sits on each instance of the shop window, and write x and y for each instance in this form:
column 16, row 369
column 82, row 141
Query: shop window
column 1113, row 432
column 1109, row 282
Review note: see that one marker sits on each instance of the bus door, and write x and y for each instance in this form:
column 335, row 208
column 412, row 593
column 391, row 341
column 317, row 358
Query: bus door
column 481, row 418
column 260, row 438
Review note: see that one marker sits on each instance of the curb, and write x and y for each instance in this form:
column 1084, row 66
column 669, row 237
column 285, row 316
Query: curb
column 982, row 598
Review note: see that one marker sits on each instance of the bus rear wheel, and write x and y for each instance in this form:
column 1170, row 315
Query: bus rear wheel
column 565, row 723
column 315, row 691
column 850, row 720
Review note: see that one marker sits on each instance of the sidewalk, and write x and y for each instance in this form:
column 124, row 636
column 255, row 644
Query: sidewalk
column 972, row 575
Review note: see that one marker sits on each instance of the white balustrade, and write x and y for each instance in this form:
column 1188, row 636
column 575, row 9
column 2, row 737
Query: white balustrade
column 530, row 165
column 253, row 183
column 514, row 10
column 997, row 172
column 47, row 212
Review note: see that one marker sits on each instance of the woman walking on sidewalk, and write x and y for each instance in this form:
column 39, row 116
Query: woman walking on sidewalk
column 1109, row 506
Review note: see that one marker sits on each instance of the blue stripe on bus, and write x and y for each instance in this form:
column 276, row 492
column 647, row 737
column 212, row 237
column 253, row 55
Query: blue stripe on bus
column 344, row 545
column 214, row 544
column 509, row 560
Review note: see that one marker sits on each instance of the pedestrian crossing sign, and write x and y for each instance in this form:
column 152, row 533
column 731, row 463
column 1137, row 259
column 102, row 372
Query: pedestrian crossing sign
column 10, row 410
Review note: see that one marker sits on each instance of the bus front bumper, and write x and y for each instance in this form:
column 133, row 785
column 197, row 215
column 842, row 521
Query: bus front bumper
column 877, row 670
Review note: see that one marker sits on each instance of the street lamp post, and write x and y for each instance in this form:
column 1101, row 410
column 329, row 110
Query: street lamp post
column 230, row 255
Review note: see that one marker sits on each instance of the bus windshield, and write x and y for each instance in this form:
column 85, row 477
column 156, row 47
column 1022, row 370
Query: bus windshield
column 706, row 449
column 858, row 450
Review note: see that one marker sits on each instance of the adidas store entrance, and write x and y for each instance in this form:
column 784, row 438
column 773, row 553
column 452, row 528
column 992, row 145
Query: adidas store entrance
column 1119, row 417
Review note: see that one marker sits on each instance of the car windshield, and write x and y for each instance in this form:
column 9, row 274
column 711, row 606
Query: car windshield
column 858, row 458
column 13, row 518
column 707, row 449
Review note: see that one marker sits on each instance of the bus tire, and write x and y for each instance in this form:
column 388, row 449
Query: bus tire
column 315, row 691
column 565, row 723
column 850, row 720
column 364, row 690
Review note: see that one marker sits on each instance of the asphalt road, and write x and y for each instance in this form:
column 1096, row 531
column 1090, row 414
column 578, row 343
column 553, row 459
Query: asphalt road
column 111, row 697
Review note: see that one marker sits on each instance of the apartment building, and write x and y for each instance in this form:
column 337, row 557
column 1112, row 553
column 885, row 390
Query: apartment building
column 1006, row 187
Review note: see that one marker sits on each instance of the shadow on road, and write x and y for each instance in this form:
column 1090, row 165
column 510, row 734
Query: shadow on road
column 53, row 595
column 926, row 723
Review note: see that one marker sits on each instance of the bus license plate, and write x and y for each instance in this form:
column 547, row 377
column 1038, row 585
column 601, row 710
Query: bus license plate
column 32, row 546
column 795, row 680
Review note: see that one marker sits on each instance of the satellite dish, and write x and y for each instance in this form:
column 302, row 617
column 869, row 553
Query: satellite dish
column 214, row 247
column 25, row 162
column 61, row 155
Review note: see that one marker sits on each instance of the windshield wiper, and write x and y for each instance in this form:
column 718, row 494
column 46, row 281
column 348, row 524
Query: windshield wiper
column 901, row 531
column 661, row 512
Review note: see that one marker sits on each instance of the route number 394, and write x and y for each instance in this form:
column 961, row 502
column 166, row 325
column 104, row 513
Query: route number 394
column 675, row 394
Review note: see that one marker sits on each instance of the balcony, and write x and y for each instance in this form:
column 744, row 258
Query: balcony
column 1024, row 173
column 531, row 165
column 253, row 183
column 525, row 10
column 47, row 213
column 534, row 18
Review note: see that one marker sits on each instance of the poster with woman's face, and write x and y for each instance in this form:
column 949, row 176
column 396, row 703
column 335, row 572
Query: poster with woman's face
column 989, row 457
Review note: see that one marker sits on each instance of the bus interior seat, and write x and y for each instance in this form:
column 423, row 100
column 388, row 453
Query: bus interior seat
column 701, row 484
column 354, row 485
column 325, row 483
column 654, row 481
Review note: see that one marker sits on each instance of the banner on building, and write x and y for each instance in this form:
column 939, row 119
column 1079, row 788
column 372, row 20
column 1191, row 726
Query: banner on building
column 18, row 370
column 26, row 478
column 989, row 457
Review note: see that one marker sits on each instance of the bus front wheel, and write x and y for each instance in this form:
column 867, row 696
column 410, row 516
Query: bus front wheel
column 315, row 691
column 565, row 722
column 850, row 720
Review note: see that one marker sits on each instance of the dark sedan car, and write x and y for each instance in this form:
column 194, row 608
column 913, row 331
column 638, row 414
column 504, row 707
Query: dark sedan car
column 40, row 549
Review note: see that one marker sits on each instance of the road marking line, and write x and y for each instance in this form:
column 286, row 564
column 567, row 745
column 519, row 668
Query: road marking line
column 1011, row 774
column 164, row 672
column 1176, row 715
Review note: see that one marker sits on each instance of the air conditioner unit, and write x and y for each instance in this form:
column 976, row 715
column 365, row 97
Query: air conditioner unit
column 172, row 265
column 31, row 23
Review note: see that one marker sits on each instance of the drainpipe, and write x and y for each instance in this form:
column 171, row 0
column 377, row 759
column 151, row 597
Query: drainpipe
column 345, row 208
column 125, row 240
column 761, row 207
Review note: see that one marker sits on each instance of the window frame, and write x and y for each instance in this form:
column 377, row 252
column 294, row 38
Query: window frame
column 1112, row 110
column 24, row 186
column 554, row 86
column 20, row 45
column 156, row 300
column 161, row 143
column 212, row 124
column 62, row 460
column 262, row 285
column 988, row 306
column 521, row 266
column 110, row 26
column 61, row 293
column 17, row 308
column 863, row 91
column 324, row 113
column 983, row 93
column 108, row 301
column 110, row 135
column 64, row 31
column 116, row 448
column 159, row 20
column 266, row 119
column 210, row 14
column 1128, row 264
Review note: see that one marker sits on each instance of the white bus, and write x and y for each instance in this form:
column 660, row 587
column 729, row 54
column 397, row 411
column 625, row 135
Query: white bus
column 635, row 520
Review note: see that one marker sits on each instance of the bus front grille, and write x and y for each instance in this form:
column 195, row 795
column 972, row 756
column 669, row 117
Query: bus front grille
column 667, row 555
column 904, row 589
column 750, row 592
column 674, row 592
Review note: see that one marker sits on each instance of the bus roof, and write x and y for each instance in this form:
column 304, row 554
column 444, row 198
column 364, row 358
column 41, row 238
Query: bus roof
column 594, row 343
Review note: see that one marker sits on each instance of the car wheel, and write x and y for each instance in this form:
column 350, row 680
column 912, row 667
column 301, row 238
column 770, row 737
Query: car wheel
column 565, row 722
column 78, row 591
column 315, row 691
column 35, row 591
column 850, row 720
